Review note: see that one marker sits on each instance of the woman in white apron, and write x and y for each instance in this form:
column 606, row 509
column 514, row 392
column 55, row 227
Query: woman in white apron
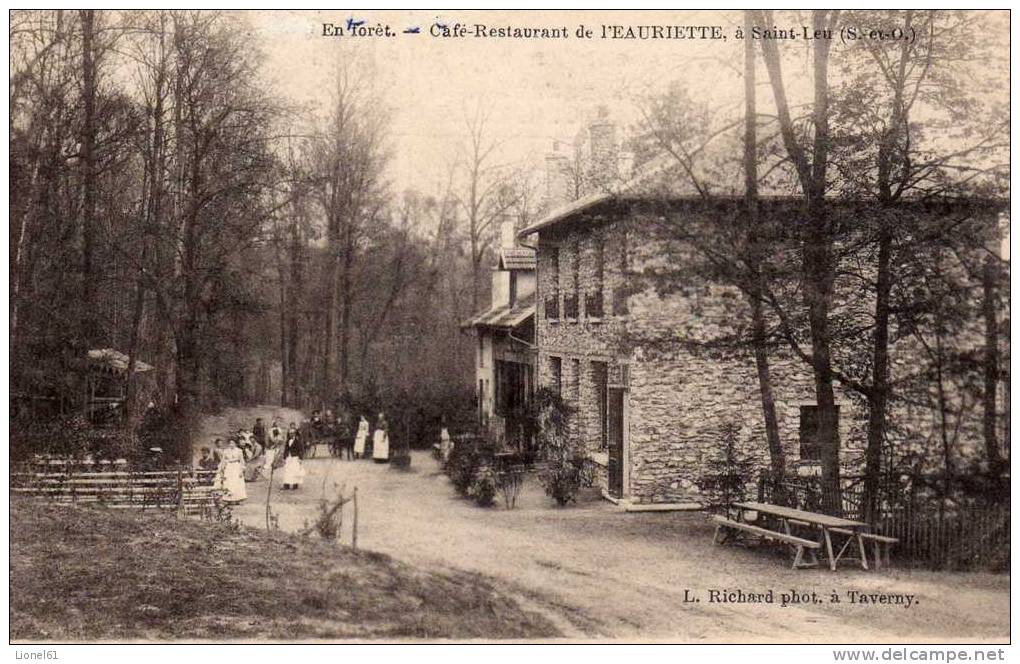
column 232, row 470
column 293, row 471
column 444, row 443
column 381, row 441
column 359, row 439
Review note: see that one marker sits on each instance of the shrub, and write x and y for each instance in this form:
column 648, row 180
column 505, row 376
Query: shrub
column 483, row 489
column 564, row 469
column 327, row 524
column 462, row 466
column 562, row 479
column 726, row 476
column 509, row 481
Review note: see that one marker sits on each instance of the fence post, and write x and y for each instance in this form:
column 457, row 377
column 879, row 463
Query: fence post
column 180, row 489
column 354, row 532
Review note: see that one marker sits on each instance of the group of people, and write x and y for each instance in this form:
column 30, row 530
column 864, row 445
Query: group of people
column 285, row 448
column 230, row 457
column 354, row 443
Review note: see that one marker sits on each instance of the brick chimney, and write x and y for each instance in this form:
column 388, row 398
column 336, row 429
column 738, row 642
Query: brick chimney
column 557, row 168
column 603, row 170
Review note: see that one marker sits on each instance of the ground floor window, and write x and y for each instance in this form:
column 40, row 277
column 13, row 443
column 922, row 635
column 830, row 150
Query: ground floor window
column 556, row 370
column 600, row 381
column 810, row 449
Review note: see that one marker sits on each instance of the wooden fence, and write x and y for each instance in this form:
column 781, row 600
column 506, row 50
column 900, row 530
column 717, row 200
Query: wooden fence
column 972, row 537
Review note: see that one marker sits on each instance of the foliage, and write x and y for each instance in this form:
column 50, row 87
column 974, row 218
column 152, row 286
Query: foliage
column 471, row 469
column 728, row 475
column 483, row 488
column 561, row 479
column 564, row 467
column 510, row 481
column 463, row 464
column 327, row 523
column 73, row 438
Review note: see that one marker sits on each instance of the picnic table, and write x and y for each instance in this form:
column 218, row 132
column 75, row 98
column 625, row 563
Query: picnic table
column 789, row 521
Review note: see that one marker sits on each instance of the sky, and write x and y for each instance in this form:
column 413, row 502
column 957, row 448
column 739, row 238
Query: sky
column 535, row 91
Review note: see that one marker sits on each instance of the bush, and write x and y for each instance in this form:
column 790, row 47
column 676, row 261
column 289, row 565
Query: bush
column 462, row 466
column 726, row 477
column 562, row 479
column 509, row 481
column 483, row 489
column 564, row 469
column 470, row 469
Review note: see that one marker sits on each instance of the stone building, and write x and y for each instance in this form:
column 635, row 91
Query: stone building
column 648, row 410
column 505, row 349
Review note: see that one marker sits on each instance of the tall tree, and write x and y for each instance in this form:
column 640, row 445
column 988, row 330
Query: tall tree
column 481, row 199
column 818, row 269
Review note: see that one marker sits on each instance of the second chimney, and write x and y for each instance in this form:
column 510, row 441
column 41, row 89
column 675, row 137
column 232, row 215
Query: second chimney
column 557, row 168
column 603, row 169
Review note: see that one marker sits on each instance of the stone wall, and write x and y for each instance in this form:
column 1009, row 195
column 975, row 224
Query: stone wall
column 680, row 390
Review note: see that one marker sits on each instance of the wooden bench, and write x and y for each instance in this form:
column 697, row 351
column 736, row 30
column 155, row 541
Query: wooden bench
column 190, row 493
column 877, row 540
column 799, row 543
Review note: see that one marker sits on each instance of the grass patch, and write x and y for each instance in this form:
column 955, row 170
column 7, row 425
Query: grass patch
column 90, row 574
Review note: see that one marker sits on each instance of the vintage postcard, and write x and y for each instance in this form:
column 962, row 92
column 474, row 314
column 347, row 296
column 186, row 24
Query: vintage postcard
column 510, row 327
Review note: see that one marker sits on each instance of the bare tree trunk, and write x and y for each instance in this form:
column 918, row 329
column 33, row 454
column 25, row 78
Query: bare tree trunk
column 152, row 216
column 346, row 303
column 990, row 275
column 88, row 158
column 758, row 331
column 284, row 365
column 878, row 399
column 817, row 268
column 296, row 257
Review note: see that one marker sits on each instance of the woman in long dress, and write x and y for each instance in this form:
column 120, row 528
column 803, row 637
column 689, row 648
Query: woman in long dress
column 359, row 439
column 274, row 440
column 444, row 441
column 293, row 471
column 232, row 471
column 381, row 441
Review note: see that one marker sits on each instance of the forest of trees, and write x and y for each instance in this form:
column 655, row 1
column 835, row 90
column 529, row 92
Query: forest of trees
column 167, row 204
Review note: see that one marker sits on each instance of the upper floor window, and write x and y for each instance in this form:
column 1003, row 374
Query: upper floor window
column 593, row 305
column 557, row 277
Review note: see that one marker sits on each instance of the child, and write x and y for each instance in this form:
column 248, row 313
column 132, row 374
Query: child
column 206, row 461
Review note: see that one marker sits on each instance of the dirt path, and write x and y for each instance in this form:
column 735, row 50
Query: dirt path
column 609, row 574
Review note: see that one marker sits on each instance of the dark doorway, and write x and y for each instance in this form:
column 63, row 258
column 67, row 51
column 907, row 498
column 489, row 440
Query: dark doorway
column 614, row 417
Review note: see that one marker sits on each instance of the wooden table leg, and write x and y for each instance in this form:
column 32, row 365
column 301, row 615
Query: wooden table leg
column 864, row 555
column 828, row 548
column 797, row 558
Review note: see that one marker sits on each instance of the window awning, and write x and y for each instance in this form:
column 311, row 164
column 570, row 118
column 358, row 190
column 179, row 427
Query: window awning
column 505, row 317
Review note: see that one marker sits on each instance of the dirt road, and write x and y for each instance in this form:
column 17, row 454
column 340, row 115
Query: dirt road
column 604, row 573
